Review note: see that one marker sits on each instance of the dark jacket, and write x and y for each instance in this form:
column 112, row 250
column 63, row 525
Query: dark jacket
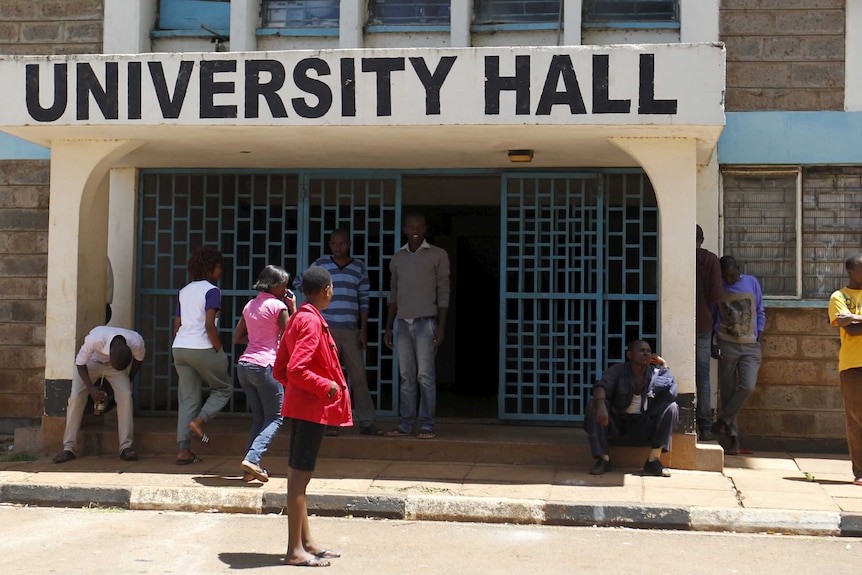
column 619, row 383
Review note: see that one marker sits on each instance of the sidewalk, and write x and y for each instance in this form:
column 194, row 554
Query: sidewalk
column 765, row 492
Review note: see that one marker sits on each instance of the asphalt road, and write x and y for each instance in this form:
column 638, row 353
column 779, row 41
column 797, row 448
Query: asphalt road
column 94, row 541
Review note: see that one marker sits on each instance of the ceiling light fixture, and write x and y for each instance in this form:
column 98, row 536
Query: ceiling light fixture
column 520, row 155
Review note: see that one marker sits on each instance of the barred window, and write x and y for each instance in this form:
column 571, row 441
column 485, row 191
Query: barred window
column 516, row 11
column 300, row 13
column 408, row 12
column 631, row 11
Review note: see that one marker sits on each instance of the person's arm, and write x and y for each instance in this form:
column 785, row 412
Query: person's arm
column 440, row 334
column 363, row 330
column 600, row 398
column 300, row 370
column 282, row 321
column 97, row 394
column 135, row 368
column 211, row 329
column 363, row 297
column 443, row 290
column 392, row 309
column 240, row 332
column 761, row 312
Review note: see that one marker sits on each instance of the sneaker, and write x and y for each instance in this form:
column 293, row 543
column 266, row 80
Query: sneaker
column 704, row 433
column 64, row 456
column 857, row 481
column 370, row 430
column 601, row 466
column 331, row 431
column 656, row 468
column 259, row 472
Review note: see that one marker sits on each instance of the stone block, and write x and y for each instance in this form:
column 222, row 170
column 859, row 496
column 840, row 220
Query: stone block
column 34, row 197
column 746, row 100
column 809, row 22
column 780, row 4
column 820, row 347
column 759, row 74
column 25, row 172
column 742, row 48
column 72, row 9
column 20, row 380
column 83, row 32
column 747, row 22
column 42, row 32
column 817, row 74
column 831, row 425
column 23, row 265
column 12, row 10
column 64, row 496
column 22, row 243
column 8, row 32
column 26, row 288
column 832, row 100
column 20, row 404
column 797, row 423
column 783, row 372
column 824, row 48
column 783, row 48
column 24, row 357
column 798, row 321
column 776, row 346
column 69, row 49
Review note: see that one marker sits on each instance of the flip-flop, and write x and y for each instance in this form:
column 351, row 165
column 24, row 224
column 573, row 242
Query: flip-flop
column 316, row 562
column 189, row 460
column 327, row 554
column 198, row 432
column 426, row 435
column 396, row 433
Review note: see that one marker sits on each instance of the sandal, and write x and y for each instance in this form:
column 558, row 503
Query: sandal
column 327, row 554
column 426, row 434
column 396, row 433
column 189, row 460
column 198, row 432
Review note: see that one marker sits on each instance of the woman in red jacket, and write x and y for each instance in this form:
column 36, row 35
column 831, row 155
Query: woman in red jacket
column 315, row 396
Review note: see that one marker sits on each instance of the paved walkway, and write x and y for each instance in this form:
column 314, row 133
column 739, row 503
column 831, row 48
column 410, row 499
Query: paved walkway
column 767, row 492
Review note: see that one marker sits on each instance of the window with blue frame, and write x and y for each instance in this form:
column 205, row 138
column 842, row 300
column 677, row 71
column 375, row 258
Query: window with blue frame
column 516, row 11
column 599, row 11
column 195, row 15
column 300, row 13
column 408, row 12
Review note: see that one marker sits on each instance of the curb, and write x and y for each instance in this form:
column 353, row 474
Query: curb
column 441, row 508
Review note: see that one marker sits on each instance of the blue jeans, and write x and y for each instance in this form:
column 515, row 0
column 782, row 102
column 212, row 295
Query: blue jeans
column 701, row 376
column 415, row 345
column 264, row 396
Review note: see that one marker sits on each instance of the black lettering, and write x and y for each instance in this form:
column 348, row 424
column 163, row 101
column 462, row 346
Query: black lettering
column 134, row 89
column 254, row 89
column 519, row 83
column 313, row 86
column 647, row 104
column 209, row 89
column 33, row 87
column 561, row 67
column 107, row 97
column 602, row 104
column 432, row 82
column 171, row 105
column 348, row 87
column 383, row 67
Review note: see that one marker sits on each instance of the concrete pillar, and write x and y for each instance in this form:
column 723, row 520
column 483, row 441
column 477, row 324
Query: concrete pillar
column 127, row 26
column 122, row 234
column 698, row 20
column 244, row 22
column 77, row 251
column 671, row 164
column 572, row 22
column 853, row 56
column 351, row 23
column 459, row 24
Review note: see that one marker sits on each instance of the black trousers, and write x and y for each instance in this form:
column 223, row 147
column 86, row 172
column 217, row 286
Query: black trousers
column 635, row 430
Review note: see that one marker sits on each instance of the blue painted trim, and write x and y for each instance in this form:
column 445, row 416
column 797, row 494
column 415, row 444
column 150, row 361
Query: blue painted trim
column 525, row 27
column 407, row 28
column 632, row 25
column 12, row 148
column 190, row 14
column 796, row 303
column 200, row 33
column 319, row 31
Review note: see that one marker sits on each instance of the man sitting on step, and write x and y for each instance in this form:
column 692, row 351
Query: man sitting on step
column 634, row 404
column 107, row 353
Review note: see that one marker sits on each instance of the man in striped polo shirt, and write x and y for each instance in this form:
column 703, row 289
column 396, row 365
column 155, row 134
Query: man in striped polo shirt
column 347, row 316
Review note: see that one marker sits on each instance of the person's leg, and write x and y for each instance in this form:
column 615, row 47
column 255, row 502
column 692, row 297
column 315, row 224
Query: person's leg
column 245, row 374
column 270, row 395
column 748, row 359
column 122, row 387
column 425, row 372
column 664, row 426
column 407, row 373
column 851, row 392
column 188, row 398
column 701, row 376
column 596, row 434
column 75, row 408
column 347, row 341
column 305, row 440
column 213, row 367
column 727, row 366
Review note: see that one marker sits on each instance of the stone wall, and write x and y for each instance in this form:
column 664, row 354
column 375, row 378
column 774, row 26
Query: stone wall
column 41, row 27
column 783, row 54
column 798, row 396
column 23, row 283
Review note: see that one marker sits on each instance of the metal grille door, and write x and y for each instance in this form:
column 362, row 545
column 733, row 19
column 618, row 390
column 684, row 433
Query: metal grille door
column 369, row 208
column 578, row 257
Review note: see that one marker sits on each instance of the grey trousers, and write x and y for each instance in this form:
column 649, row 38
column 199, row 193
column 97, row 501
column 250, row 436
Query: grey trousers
column 737, row 376
column 195, row 367
column 353, row 362
column 122, row 387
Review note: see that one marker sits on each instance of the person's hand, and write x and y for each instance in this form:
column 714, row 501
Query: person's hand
column 363, row 340
column 290, row 300
column 657, row 360
column 438, row 337
column 716, row 352
column 387, row 339
column 333, row 390
column 601, row 412
column 98, row 395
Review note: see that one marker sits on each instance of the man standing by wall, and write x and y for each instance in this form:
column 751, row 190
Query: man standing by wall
column 845, row 312
column 419, row 296
column 347, row 316
column 708, row 291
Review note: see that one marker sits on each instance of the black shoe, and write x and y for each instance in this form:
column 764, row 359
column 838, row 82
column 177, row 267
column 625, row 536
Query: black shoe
column 371, row 430
column 718, row 427
column 601, row 466
column 64, row 456
column 704, row 433
column 656, row 468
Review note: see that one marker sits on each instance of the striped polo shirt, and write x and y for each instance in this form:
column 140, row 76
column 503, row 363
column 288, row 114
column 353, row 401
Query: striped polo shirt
column 350, row 286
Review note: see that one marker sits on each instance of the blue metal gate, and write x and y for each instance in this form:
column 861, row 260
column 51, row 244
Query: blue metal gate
column 578, row 264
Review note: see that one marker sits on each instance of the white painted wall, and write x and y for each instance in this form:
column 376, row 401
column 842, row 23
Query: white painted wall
column 699, row 20
column 853, row 56
column 127, row 26
column 244, row 22
column 461, row 16
column 351, row 22
column 572, row 16
column 122, row 237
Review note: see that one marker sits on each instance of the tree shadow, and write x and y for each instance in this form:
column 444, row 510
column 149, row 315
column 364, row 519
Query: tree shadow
column 250, row 560
column 820, row 481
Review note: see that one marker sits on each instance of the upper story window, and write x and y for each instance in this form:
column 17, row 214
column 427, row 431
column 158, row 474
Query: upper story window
column 300, row 13
column 408, row 12
column 516, row 11
column 195, row 15
column 601, row 11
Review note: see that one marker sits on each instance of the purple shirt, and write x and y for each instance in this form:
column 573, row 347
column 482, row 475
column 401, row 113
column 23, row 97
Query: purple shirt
column 740, row 316
column 261, row 321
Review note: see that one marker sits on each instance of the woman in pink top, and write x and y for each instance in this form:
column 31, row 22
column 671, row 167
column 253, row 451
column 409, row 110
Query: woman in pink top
column 260, row 326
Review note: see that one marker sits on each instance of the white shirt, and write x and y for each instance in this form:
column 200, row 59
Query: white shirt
column 97, row 344
column 195, row 299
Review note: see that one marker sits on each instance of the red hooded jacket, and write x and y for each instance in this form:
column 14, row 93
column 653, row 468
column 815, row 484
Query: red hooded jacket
column 306, row 365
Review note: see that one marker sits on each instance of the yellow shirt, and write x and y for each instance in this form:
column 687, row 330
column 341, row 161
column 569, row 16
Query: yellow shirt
column 847, row 300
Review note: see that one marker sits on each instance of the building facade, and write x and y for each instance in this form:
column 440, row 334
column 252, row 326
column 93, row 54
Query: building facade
column 260, row 126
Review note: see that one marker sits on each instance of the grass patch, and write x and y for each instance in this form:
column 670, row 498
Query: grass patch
column 11, row 457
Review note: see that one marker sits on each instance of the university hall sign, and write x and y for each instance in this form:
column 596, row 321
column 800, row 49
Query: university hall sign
column 651, row 84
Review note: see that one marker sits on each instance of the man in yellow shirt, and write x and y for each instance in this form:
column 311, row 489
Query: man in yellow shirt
column 845, row 312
